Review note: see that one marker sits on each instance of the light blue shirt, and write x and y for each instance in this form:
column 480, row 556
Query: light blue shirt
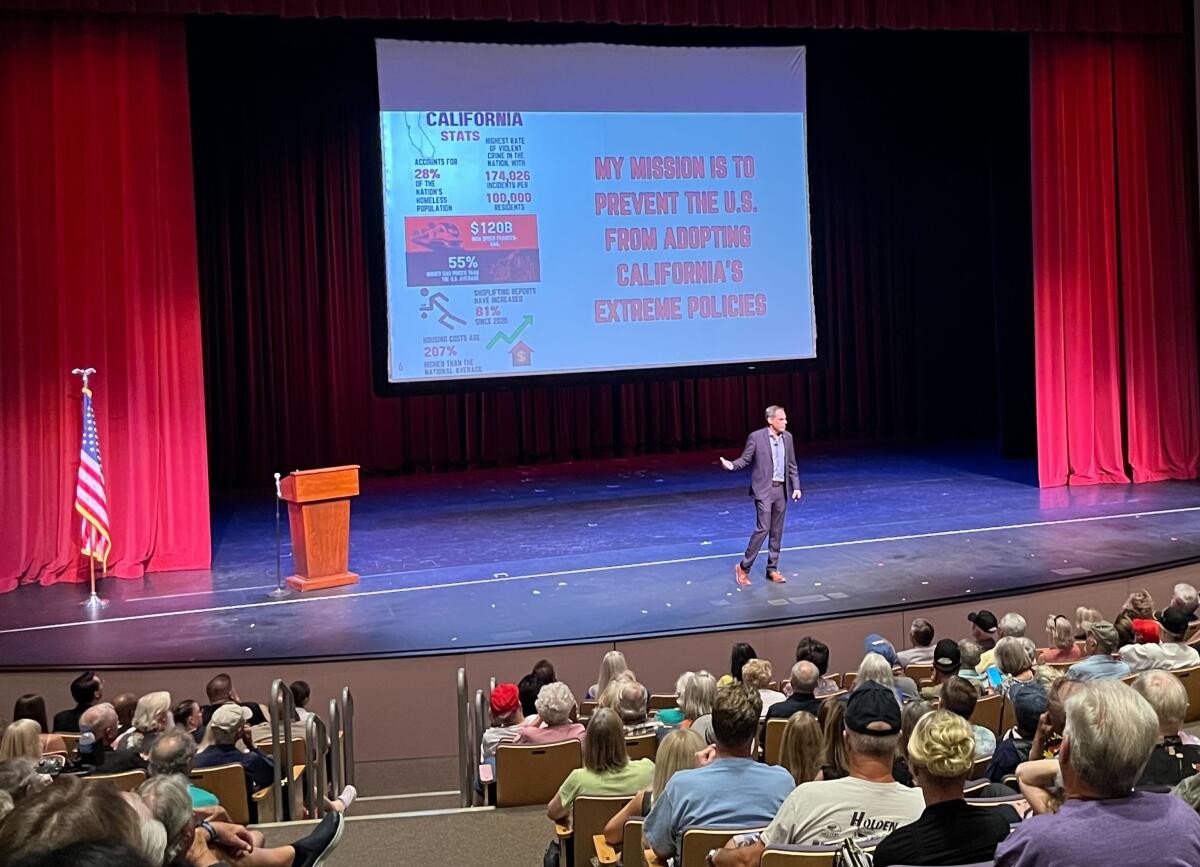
column 731, row 793
column 777, row 467
column 1098, row 667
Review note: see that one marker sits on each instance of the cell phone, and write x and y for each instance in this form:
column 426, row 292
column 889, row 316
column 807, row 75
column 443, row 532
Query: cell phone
column 993, row 676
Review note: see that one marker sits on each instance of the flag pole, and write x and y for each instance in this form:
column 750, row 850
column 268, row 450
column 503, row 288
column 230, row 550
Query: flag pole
column 94, row 602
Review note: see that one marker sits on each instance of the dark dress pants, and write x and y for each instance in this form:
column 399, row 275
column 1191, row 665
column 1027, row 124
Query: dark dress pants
column 769, row 514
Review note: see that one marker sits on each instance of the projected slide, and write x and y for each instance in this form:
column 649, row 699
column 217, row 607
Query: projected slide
column 535, row 239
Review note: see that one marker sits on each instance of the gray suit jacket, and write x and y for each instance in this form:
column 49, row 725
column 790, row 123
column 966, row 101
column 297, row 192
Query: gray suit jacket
column 757, row 456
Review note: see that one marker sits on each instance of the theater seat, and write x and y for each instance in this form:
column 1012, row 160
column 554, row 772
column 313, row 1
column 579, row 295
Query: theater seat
column 126, row 781
column 228, row 784
column 527, row 775
column 642, row 747
column 589, row 815
column 773, row 740
column 987, row 713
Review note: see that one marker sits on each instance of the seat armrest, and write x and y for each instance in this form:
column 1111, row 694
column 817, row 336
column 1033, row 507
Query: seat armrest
column 605, row 854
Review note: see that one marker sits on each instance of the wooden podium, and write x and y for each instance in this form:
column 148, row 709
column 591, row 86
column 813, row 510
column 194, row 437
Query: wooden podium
column 319, row 518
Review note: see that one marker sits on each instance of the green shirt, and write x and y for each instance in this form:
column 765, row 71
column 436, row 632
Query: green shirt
column 201, row 798
column 628, row 780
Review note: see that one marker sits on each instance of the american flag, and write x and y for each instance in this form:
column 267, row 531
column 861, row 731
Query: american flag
column 90, row 501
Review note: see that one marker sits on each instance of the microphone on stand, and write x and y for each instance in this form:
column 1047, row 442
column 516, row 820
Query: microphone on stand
column 278, row 490
column 281, row 591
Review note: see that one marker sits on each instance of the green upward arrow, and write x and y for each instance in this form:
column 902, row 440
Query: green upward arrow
column 511, row 338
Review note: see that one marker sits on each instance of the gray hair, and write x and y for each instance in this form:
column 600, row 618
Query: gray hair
column 876, row 669
column 151, row 714
column 167, row 798
column 633, row 702
column 1166, row 694
column 1011, row 656
column 696, row 693
column 100, row 717
column 970, row 652
column 1189, row 791
column 1108, row 737
column 773, row 411
column 16, row 776
column 554, row 703
column 1185, row 595
column 805, row 676
column 1012, row 624
column 172, row 753
column 876, row 746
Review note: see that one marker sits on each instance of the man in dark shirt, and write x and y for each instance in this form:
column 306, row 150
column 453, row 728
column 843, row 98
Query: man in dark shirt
column 99, row 729
column 1030, row 704
column 1171, row 760
column 950, row 831
column 805, row 678
column 221, row 692
column 227, row 727
column 87, row 689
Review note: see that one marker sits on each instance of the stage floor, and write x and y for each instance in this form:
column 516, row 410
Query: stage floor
column 615, row 549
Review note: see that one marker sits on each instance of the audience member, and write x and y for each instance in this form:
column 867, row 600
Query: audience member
column 921, row 652
column 67, row 812
column 188, row 716
column 1185, row 599
column 1189, row 791
column 150, row 717
column 557, row 717
column 1101, row 641
column 739, row 655
column 947, row 662
column 756, row 674
column 611, row 665
column 971, row 652
column 1139, row 606
column 174, row 752
column 984, row 629
column 950, row 831
column 124, row 704
column 960, row 697
column 865, row 804
column 20, row 777
column 835, row 764
column 1063, row 647
column 1015, row 664
column 1011, row 625
column 804, row 680
column 507, row 719
column 86, row 690
column 301, row 695
column 730, row 788
column 220, row 692
column 1110, row 732
column 1083, row 617
column 697, row 703
column 528, row 688
column 228, row 728
column 88, row 855
column 809, row 649
column 99, row 729
column 1013, row 749
column 1171, row 760
column 543, row 670
column 606, row 769
column 677, row 752
column 801, row 747
column 876, row 667
column 910, row 714
column 21, row 740
column 906, row 687
column 633, row 706
column 31, row 706
column 1170, row 652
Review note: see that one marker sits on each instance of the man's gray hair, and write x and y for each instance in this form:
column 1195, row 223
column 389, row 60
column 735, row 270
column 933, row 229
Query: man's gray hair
column 167, row 798
column 1185, row 595
column 1011, row 656
column 633, row 702
column 1166, row 694
column 100, row 718
column 1108, row 737
column 773, row 411
column 970, row 652
column 805, row 676
column 1012, row 624
column 876, row 746
column 554, row 703
column 172, row 753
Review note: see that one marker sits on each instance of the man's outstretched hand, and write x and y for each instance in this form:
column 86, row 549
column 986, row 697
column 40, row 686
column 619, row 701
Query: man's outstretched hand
column 796, row 494
column 726, row 463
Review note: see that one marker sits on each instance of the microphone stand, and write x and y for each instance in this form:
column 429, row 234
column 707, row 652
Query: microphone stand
column 281, row 591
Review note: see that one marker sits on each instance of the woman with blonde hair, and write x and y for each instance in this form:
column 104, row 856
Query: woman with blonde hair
column 606, row 769
column 801, row 748
column 1085, row 617
column 941, row 753
column 22, row 740
column 1061, row 633
column 756, row 673
column 150, row 719
column 611, row 665
column 677, row 752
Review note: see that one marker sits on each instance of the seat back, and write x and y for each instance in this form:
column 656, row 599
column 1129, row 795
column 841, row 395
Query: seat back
column 774, row 740
column 632, row 852
column 641, row 746
column 987, row 712
column 71, row 741
column 697, row 842
column 589, row 815
column 1190, row 677
column 919, row 671
column 586, row 707
column 228, row 784
column 979, row 769
column 663, row 702
column 849, row 679
column 528, row 775
column 800, row 856
column 126, row 781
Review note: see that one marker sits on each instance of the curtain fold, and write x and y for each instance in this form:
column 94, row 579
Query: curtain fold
column 1114, row 229
column 98, row 268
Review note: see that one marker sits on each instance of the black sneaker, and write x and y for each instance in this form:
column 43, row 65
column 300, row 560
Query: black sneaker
column 312, row 850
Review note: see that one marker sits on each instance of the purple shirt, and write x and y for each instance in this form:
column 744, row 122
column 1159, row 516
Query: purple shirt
column 1155, row 830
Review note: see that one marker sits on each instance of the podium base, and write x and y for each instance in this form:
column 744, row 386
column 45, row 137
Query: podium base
column 338, row 579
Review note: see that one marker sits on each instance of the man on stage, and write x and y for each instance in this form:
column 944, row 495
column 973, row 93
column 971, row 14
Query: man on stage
column 773, row 478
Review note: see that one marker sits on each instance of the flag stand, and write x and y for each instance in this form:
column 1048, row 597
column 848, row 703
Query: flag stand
column 93, row 602
column 100, row 532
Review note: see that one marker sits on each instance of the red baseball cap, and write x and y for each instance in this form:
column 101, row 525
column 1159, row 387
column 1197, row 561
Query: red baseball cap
column 505, row 699
column 1146, row 630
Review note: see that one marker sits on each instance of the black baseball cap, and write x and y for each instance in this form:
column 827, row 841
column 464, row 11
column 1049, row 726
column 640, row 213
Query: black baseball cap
column 985, row 620
column 946, row 656
column 1174, row 621
column 872, row 709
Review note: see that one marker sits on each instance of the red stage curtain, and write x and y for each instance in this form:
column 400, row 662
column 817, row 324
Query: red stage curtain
column 98, row 268
column 1093, row 16
column 1115, row 313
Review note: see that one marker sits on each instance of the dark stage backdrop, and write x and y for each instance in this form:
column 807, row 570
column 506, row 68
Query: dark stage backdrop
column 98, row 268
column 919, row 147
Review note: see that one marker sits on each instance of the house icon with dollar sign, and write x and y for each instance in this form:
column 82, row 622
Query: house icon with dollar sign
column 522, row 354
